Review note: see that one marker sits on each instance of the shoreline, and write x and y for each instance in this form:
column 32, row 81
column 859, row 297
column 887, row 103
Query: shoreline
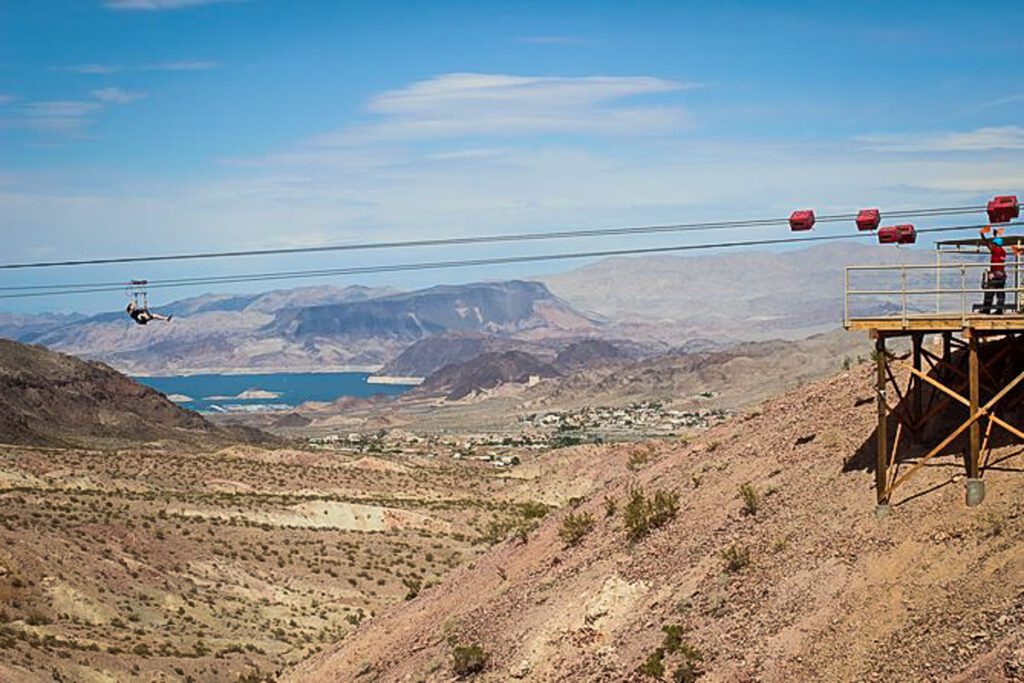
column 395, row 380
column 319, row 370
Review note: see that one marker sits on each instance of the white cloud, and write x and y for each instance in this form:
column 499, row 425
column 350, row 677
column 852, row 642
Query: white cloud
column 978, row 140
column 61, row 116
column 92, row 68
column 104, row 69
column 67, row 117
column 156, row 5
column 472, row 153
column 536, row 187
column 7, row 99
column 468, row 104
column 61, row 108
column 1002, row 101
column 117, row 95
column 180, row 66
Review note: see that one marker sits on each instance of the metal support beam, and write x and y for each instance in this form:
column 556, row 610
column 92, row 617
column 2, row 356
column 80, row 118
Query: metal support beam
column 974, row 371
column 975, row 486
column 882, row 458
column 953, row 394
column 947, row 348
column 917, row 390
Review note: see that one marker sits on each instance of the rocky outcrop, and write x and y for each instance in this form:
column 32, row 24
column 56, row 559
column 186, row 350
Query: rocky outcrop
column 486, row 371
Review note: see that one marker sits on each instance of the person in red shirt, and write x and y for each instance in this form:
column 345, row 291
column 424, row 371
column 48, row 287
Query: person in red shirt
column 994, row 279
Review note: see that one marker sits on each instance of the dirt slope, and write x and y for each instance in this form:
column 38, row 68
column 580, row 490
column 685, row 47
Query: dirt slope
column 51, row 399
column 830, row 593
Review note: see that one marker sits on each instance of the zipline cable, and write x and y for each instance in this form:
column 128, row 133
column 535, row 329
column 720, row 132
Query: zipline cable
column 489, row 239
column 23, row 292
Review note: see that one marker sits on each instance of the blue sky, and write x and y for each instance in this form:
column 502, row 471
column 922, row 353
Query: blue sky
column 138, row 126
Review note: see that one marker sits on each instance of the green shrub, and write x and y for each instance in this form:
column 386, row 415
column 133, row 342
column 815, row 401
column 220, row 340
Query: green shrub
column 564, row 441
column 642, row 514
column 689, row 670
column 35, row 618
column 501, row 530
column 255, row 676
column 673, row 638
column 654, row 665
column 413, row 585
column 991, row 524
column 575, row 526
column 736, row 558
column 751, row 499
column 469, row 660
column 638, row 459
column 533, row 510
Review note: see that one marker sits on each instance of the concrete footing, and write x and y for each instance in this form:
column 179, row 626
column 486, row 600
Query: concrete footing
column 882, row 510
column 975, row 492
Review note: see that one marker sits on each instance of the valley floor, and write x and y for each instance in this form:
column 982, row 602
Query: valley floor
column 165, row 565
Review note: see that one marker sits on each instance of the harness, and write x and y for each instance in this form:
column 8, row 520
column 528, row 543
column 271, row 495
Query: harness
column 140, row 300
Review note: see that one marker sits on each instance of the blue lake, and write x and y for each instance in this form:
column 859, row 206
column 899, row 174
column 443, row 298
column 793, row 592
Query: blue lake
column 254, row 393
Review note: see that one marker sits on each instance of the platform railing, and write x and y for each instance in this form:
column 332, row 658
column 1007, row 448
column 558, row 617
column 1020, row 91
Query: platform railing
column 906, row 292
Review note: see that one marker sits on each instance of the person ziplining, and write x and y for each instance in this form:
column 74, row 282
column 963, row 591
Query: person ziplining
column 142, row 315
column 138, row 307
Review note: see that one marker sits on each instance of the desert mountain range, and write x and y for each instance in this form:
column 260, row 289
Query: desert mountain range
column 655, row 303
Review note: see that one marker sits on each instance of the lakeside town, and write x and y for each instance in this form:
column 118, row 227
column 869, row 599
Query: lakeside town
column 538, row 432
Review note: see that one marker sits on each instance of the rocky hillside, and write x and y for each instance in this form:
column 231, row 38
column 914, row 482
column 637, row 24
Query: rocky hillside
column 51, row 399
column 429, row 355
column 486, row 371
column 693, row 377
column 736, row 375
column 589, row 353
column 749, row 554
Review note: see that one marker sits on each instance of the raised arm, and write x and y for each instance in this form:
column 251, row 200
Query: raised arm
column 984, row 236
